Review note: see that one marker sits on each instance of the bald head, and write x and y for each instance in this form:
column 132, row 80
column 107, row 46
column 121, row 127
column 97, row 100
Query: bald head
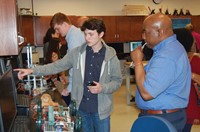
column 159, row 26
column 160, row 22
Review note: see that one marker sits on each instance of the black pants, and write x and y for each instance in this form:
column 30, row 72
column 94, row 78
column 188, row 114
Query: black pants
column 67, row 99
column 187, row 127
column 178, row 119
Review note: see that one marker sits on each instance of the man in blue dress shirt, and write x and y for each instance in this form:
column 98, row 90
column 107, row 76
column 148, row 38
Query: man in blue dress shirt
column 163, row 86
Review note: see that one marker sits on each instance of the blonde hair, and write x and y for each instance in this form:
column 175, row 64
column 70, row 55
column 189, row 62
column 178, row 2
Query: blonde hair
column 189, row 27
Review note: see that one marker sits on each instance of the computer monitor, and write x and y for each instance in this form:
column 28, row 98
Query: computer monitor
column 10, row 61
column 7, row 101
column 135, row 44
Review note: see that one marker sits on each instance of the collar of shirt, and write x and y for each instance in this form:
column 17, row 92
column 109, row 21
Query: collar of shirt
column 101, row 51
column 164, row 42
column 72, row 27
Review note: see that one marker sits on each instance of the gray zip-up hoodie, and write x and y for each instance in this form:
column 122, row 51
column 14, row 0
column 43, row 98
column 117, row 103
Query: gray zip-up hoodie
column 110, row 76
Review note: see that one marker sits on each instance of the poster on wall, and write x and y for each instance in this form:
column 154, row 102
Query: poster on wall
column 180, row 22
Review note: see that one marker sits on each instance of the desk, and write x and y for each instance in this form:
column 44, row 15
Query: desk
column 127, row 72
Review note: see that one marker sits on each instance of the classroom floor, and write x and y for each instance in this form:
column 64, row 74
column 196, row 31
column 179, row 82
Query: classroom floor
column 124, row 115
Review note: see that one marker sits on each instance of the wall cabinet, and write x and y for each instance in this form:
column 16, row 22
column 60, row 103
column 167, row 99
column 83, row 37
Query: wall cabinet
column 110, row 35
column 117, row 28
column 136, row 28
column 27, row 28
column 8, row 26
column 42, row 24
column 122, row 28
column 34, row 28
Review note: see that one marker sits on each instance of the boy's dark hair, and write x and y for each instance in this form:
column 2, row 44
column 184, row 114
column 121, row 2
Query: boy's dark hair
column 48, row 35
column 94, row 24
column 185, row 37
column 53, row 47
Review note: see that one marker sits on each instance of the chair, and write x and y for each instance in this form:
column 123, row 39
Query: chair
column 152, row 124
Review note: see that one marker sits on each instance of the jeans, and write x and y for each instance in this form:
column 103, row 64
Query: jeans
column 187, row 128
column 92, row 123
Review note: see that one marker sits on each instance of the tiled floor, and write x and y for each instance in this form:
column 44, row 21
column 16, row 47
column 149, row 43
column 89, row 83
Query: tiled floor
column 123, row 115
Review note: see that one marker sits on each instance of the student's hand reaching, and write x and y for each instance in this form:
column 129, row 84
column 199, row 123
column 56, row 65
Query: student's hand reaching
column 23, row 72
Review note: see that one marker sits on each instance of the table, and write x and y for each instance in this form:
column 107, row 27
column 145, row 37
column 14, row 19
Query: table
column 56, row 97
column 127, row 73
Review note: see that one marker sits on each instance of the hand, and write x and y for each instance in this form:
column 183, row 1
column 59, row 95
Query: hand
column 63, row 79
column 65, row 92
column 196, row 122
column 95, row 89
column 23, row 72
column 54, row 57
column 51, row 77
column 197, row 90
column 47, row 77
column 137, row 55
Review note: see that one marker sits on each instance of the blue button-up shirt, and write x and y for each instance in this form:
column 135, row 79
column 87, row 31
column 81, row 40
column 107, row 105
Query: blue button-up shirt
column 75, row 37
column 93, row 65
column 168, row 77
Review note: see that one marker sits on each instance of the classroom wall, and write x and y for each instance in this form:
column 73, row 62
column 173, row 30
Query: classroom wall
column 103, row 7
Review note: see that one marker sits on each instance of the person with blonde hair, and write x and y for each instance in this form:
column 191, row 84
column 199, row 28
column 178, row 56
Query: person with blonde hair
column 196, row 36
